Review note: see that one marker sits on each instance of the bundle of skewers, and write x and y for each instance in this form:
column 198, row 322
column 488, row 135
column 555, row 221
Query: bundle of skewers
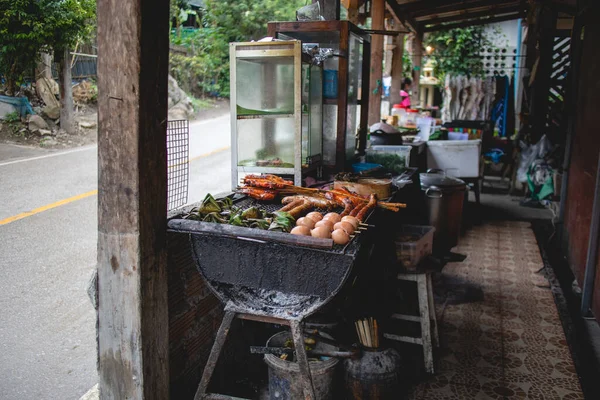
column 268, row 187
column 368, row 332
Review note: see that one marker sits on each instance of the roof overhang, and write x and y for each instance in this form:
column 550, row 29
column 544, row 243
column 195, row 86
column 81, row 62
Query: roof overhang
column 433, row 15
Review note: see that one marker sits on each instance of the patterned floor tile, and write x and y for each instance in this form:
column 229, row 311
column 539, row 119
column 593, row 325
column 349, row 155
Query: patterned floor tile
column 508, row 342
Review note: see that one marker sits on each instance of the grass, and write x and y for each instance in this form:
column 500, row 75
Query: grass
column 201, row 104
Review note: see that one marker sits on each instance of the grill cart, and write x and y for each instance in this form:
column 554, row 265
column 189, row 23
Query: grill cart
column 272, row 277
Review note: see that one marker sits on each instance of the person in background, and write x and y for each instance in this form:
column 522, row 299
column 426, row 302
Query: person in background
column 404, row 95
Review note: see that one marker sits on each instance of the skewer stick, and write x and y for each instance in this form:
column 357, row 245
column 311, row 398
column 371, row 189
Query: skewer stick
column 359, row 332
column 365, row 341
column 367, row 334
column 376, row 333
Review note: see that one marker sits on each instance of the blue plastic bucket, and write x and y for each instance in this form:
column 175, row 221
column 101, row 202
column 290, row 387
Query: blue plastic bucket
column 330, row 84
column 360, row 167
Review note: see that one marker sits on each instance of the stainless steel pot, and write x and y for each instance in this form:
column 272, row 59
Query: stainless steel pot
column 444, row 197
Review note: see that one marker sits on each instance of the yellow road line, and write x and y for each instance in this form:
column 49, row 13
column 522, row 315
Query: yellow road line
column 48, row 207
column 87, row 194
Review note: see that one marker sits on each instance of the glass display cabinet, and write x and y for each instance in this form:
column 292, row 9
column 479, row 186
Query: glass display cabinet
column 346, row 81
column 276, row 110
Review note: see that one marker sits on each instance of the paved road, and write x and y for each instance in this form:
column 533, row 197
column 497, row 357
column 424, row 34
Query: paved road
column 48, row 252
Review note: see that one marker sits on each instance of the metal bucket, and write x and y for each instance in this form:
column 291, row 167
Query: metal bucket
column 284, row 376
column 373, row 376
column 444, row 198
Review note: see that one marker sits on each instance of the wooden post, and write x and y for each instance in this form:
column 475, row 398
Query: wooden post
column 133, row 50
column 376, row 84
column 397, row 70
column 417, row 57
column 541, row 85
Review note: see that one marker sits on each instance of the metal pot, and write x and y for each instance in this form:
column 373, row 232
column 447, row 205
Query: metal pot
column 380, row 138
column 444, row 197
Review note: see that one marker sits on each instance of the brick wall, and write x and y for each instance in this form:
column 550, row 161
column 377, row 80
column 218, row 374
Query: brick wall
column 194, row 318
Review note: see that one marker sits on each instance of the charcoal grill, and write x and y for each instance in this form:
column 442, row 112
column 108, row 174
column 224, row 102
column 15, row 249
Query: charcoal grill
column 267, row 276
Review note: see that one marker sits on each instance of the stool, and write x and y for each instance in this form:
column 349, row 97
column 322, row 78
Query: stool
column 429, row 331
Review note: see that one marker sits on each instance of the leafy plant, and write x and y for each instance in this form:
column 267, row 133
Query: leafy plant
column 458, row 51
column 30, row 26
column 207, row 70
column 12, row 117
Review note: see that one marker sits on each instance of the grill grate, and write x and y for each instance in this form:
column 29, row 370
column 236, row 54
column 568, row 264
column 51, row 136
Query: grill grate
column 178, row 146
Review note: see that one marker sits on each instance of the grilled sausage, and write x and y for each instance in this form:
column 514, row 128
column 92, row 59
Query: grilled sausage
column 366, row 209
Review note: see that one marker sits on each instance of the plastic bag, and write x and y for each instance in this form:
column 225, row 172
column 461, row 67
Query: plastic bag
column 531, row 153
column 311, row 12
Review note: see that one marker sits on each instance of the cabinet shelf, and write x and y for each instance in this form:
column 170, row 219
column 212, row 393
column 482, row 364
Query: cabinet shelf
column 260, row 116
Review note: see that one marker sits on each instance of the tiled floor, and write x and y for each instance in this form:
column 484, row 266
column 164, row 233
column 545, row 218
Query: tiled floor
column 501, row 337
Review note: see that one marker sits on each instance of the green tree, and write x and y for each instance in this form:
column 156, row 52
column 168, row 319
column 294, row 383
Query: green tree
column 30, row 26
column 68, row 22
column 22, row 35
column 224, row 22
column 458, row 51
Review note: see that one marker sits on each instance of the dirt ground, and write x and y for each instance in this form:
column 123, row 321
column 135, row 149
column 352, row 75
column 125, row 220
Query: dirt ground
column 86, row 117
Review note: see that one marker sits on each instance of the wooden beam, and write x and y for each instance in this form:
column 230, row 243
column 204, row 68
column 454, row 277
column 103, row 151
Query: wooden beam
column 407, row 20
column 376, row 84
column 475, row 22
column 133, row 343
column 464, row 15
column 437, row 7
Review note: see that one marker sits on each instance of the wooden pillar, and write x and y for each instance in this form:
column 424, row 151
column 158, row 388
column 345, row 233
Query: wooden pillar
column 542, row 81
column 417, row 58
column 330, row 9
column 133, row 49
column 397, row 70
column 376, row 84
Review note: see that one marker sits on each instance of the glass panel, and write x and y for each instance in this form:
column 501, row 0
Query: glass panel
column 265, row 86
column 316, row 111
column 267, row 142
column 329, row 133
column 354, row 82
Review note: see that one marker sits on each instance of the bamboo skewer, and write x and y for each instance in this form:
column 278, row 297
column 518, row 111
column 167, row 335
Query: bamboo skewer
column 367, row 330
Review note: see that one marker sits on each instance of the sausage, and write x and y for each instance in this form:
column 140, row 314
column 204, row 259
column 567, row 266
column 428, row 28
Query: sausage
column 357, row 209
column 314, row 201
column 301, row 209
column 366, row 209
column 292, row 205
column 348, row 206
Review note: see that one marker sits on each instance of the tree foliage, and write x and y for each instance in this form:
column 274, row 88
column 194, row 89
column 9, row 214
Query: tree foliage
column 30, row 26
column 224, row 22
column 458, row 51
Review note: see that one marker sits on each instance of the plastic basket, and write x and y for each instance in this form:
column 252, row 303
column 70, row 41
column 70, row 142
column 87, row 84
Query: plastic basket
column 393, row 158
column 413, row 244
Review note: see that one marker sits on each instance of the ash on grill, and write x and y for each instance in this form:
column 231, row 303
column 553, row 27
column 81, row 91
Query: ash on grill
column 269, row 276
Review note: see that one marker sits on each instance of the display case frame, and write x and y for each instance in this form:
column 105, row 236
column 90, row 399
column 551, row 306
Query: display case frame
column 341, row 31
column 264, row 50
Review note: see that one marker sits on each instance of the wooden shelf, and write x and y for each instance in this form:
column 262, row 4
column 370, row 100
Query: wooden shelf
column 333, row 102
